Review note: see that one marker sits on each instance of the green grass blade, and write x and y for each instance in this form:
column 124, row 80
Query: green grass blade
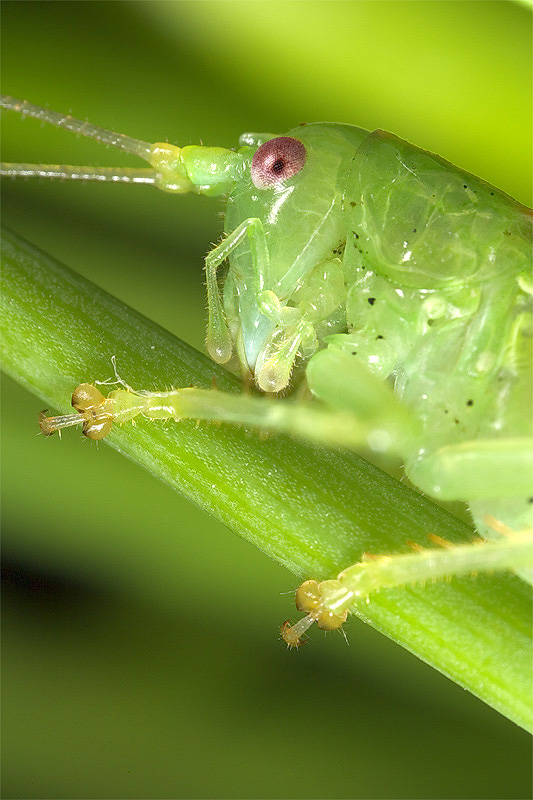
column 311, row 509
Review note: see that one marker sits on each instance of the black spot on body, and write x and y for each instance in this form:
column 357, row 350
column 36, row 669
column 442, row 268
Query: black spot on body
column 470, row 402
column 371, row 300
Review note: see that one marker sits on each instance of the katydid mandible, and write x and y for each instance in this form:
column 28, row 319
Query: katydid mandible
column 396, row 286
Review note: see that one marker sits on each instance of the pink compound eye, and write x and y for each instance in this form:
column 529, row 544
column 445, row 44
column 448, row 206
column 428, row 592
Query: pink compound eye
column 277, row 160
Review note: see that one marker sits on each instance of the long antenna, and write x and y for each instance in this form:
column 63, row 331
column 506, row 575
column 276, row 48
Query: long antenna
column 194, row 168
column 66, row 172
column 135, row 146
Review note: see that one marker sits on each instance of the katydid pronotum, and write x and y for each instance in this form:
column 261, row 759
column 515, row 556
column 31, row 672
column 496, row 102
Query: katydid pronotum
column 392, row 284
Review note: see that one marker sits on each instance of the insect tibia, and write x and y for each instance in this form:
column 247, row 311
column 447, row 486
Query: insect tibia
column 451, row 560
column 97, row 414
column 327, row 603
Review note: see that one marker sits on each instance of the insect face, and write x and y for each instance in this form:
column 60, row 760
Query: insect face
column 285, row 280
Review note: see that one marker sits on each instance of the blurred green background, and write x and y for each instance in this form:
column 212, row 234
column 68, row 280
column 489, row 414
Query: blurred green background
column 140, row 657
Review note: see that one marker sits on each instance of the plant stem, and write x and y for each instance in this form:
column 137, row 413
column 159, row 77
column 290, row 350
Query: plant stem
column 312, row 509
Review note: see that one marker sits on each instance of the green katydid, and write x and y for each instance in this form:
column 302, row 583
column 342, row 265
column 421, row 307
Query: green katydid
column 393, row 285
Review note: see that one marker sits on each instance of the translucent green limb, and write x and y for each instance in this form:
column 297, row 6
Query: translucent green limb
column 65, row 172
column 295, row 331
column 204, row 170
column 327, row 603
column 276, row 360
column 344, row 383
column 518, row 515
column 468, row 470
column 218, row 340
column 96, row 414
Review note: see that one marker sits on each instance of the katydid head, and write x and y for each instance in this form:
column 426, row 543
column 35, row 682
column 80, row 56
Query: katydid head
column 284, row 231
column 284, row 234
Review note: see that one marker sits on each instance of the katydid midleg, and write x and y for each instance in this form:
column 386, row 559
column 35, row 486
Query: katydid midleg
column 396, row 286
